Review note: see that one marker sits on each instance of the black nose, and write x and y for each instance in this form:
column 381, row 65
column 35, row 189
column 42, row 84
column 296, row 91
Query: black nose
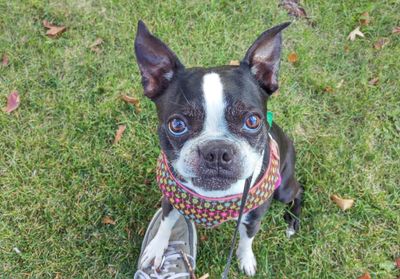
column 217, row 154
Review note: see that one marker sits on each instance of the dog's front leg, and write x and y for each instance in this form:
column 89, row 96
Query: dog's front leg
column 248, row 229
column 244, row 251
column 159, row 244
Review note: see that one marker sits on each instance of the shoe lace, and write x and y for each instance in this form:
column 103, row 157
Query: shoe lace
column 171, row 254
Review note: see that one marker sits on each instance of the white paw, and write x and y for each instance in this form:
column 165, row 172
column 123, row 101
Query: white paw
column 247, row 260
column 154, row 250
column 290, row 232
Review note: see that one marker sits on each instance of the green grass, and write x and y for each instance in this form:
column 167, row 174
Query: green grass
column 60, row 173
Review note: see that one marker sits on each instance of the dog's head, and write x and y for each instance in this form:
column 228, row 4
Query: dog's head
column 212, row 124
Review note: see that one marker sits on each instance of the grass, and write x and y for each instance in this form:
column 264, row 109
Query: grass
column 60, row 173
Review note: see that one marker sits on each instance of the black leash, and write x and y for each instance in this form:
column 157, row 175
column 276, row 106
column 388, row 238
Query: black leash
column 244, row 198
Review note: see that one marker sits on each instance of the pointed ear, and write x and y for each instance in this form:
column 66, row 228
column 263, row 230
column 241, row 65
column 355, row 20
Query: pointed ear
column 263, row 58
column 157, row 63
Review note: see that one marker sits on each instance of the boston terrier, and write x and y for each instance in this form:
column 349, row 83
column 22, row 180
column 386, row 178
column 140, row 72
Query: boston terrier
column 214, row 135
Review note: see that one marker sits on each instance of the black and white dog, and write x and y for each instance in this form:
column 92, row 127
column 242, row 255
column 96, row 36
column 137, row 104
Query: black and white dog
column 213, row 130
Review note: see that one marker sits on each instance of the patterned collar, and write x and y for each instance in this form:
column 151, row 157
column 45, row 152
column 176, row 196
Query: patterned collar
column 212, row 212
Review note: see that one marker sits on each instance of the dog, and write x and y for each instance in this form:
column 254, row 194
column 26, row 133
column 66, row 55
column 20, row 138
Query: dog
column 214, row 134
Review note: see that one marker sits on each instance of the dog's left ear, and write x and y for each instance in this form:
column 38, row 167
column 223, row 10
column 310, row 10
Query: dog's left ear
column 263, row 58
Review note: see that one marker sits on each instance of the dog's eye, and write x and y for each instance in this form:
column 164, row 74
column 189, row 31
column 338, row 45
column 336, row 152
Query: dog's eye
column 252, row 122
column 177, row 127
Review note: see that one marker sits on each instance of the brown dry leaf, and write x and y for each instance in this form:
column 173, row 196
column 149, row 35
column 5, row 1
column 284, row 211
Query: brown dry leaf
column 365, row 19
column 353, row 34
column 342, row 203
column 118, row 134
column 5, row 60
column 381, row 43
column 95, row 46
column 111, row 270
column 13, row 102
column 132, row 100
column 365, row 276
column 396, row 30
column 373, row 81
column 147, row 182
column 328, row 89
column 128, row 232
column 96, row 43
column 46, row 24
column 107, row 220
column 203, row 237
column 234, row 63
column 293, row 7
column 58, row 275
column 397, row 263
column 293, row 57
column 141, row 231
column 205, row 276
column 54, row 30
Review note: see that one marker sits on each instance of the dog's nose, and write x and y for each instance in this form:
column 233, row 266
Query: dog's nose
column 217, row 154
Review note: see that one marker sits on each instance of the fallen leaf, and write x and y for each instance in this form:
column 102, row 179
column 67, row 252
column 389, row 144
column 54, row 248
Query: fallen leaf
column 365, row 276
column 111, row 270
column 339, row 85
column 353, row 34
column 13, row 102
column 132, row 100
column 276, row 93
column 147, row 182
column 397, row 263
column 203, row 237
column 95, row 46
column 292, row 57
column 205, row 276
column 328, row 89
column 141, row 231
column 118, row 134
column 365, row 19
column 107, row 220
column 58, row 275
column 381, row 43
column 129, row 232
column 342, row 203
column 5, row 60
column 373, row 81
column 234, row 63
column 346, row 49
column 16, row 250
column 129, row 99
column 396, row 30
column 54, row 30
column 293, row 7
column 96, row 43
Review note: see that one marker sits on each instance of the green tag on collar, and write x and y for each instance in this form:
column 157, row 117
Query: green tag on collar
column 270, row 117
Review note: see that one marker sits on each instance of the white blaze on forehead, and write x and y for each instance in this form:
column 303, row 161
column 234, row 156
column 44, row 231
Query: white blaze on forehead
column 214, row 104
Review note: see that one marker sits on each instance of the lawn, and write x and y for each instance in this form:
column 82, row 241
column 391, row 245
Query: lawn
column 61, row 174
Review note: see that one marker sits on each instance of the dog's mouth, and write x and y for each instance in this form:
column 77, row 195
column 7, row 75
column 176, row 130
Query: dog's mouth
column 213, row 183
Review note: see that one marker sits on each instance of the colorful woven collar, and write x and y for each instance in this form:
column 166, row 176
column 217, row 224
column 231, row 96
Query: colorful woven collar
column 212, row 212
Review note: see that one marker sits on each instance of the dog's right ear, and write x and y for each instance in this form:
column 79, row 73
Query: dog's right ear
column 157, row 63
